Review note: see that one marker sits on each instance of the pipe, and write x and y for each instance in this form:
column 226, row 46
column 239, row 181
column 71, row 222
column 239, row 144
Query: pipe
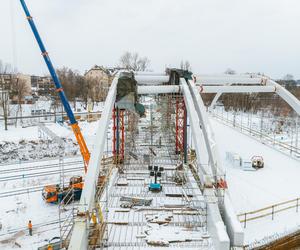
column 227, row 80
column 148, row 73
column 154, row 89
column 236, row 89
column 150, row 79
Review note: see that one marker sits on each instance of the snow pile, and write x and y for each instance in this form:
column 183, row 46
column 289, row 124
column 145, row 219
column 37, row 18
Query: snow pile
column 164, row 235
column 25, row 150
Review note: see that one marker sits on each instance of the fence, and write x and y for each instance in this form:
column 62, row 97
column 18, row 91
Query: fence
column 265, row 138
column 269, row 211
column 51, row 117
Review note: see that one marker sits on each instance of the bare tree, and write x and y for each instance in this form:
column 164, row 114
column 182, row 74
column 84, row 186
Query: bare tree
column 230, row 71
column 288, row 77
column 132, row 61
column 19, row 90
column 185, row 65
column 4, row 101
column 5, row 68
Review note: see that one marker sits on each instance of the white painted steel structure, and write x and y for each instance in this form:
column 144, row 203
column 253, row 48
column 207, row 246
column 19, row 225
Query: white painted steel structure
column 205, row 169
column 151, row 79
column 237, row 89
column 79, row 239
column 207, row 131
column 203, row 137
column 162, row 89
column 244, row 84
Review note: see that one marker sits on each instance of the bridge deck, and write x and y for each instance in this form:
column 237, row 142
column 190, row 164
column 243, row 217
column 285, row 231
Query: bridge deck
column 176, row 216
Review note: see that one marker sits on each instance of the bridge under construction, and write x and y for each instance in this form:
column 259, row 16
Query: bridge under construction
column 174, row 134
column 164, row 184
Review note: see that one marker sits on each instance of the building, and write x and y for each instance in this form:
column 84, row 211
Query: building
column 27, row 80
column 103, row 78
column 42, row 85
column 6, row 81
column 12, row 84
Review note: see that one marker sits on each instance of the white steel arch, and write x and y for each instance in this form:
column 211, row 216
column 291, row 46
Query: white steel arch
column 247, row 83
column 152, row 84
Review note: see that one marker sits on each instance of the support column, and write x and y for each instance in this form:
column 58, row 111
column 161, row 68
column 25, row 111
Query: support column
column 181, row 128
column 122, row 142
column 114, row 149
column 185, row 137
column 118, row 135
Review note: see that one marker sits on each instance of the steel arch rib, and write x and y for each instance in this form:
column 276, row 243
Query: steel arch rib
column 79, row 238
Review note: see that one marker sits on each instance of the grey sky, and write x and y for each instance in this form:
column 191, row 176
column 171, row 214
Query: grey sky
column 246, row 35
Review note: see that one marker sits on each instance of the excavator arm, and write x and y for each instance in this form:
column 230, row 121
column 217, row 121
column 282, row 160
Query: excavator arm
column 76, row 129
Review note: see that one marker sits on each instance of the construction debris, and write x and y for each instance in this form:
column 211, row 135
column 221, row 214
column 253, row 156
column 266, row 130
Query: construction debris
column 133, row 155
column 126, row 205
column 180, row 176
column 152, row 151
column 122, row 183
column 164, row 235
column 159, row 219
column 137, row 201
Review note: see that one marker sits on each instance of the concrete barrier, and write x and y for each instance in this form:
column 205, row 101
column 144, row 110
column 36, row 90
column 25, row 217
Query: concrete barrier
column 233, row 226
column 217, row 228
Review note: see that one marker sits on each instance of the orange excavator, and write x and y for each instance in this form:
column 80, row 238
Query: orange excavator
column 52, row 193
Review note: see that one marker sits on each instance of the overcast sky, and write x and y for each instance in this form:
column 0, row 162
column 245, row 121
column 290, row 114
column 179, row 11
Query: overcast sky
column 245, row 35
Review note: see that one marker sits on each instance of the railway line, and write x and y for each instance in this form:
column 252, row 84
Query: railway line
column 20, row 191
column 39, row 174
column 18, row 173
column 39, row 225
column 38, row 167
column 39, row 161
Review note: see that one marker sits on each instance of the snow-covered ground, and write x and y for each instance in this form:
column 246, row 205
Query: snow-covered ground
column 278, row 181
column 249, row 190
column 18, row 209
column 280, row 131
column 23, row 144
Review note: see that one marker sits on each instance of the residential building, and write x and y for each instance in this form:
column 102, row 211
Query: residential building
column 103, row 77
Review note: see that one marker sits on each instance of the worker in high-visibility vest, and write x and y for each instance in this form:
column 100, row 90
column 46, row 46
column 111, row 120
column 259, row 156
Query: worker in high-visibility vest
column 30, row 227
column 50, row 247
column 94, row 218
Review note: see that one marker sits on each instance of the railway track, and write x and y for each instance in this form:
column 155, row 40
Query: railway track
column 39, row 161
column 39, row 171
column 21, row 191
column 39, row 174
column 26, row 190
column 41, row 167
column 39, row 225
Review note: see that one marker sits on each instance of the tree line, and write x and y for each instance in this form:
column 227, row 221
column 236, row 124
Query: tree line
column 254, row 102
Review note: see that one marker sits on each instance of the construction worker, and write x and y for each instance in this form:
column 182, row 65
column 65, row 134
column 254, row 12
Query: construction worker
column 30, row 228
column 50, row 247
column 94, row 218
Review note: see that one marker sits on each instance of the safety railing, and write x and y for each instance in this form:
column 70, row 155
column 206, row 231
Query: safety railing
column 263, row 137
column 269, row 211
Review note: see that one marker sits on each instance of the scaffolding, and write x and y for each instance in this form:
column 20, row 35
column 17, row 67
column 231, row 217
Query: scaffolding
column 151, row 140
